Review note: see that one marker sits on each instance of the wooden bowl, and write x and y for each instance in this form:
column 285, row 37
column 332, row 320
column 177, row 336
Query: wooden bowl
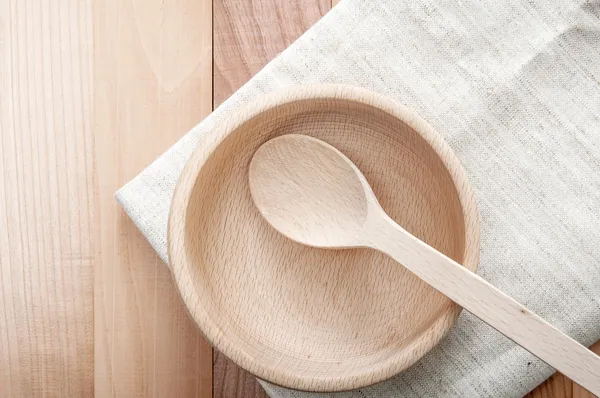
column 306, row 318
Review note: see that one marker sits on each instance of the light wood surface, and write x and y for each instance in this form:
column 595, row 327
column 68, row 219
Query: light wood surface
column 153, row 77
column 270, row 304
column 313, row 194
column 46, row 199
column 47, row 257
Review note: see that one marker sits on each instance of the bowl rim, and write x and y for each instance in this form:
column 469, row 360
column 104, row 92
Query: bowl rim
column 177, row 257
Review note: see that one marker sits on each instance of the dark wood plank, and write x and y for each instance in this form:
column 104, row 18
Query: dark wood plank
column 229, row 380
column 555, row 387
column 247, row 35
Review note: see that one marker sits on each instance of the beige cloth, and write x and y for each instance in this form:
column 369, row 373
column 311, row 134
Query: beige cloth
column 514, row 87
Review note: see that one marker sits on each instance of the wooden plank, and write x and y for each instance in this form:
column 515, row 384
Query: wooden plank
column 46, row 202
column 229, row 380
column 247, row 35
column 555, row 387
column 152, row 79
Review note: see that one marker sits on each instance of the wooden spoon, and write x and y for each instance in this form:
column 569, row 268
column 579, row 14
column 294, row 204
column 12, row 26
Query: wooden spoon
column 313, row 194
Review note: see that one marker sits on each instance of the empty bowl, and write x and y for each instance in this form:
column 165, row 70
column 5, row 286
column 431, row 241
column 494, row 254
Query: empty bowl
column 307, row 318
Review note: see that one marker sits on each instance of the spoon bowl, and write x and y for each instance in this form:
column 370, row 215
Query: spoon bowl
column 304, row 317
column 298, row 192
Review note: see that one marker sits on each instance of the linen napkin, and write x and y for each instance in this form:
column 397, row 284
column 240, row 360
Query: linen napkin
column 514, row 87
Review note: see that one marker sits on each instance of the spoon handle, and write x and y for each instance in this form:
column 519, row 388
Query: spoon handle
column 489, row 304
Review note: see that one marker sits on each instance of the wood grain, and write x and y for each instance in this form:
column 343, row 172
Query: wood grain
column 152, row 84
column 247, row 35
column 557, row 386
column 46, row 199
column 229, row 380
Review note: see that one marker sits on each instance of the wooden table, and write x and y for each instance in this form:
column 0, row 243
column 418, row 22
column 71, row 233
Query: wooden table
column 90, row 93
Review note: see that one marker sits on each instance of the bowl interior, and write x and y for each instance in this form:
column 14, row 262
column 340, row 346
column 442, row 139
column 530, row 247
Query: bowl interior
column 311, row 318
